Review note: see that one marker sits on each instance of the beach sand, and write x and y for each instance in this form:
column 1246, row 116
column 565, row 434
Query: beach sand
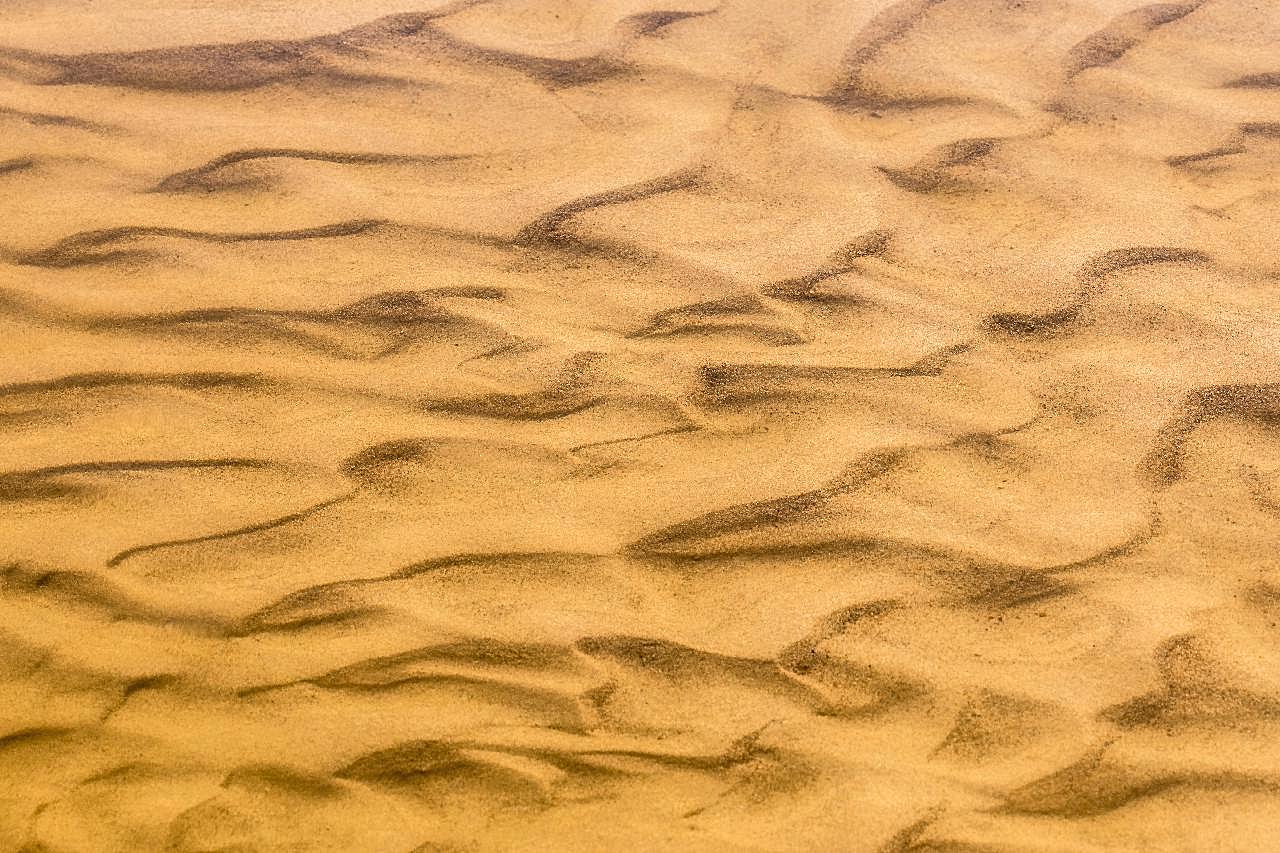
column 583, row 425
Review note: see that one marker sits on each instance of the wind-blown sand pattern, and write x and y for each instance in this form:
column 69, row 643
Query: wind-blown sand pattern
column 639, row 424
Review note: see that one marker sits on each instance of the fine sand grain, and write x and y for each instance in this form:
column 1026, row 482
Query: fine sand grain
column 588, row 425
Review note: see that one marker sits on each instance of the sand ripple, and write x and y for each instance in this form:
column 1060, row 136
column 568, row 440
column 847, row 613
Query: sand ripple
column 620, row 424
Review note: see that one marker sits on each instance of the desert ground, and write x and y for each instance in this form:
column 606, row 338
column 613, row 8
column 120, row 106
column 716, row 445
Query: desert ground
column 588, row 425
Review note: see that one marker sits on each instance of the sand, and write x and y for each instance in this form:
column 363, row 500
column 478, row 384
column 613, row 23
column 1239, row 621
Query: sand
column 582, row 425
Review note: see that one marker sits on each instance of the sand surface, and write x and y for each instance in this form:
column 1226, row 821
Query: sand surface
column 585, row 425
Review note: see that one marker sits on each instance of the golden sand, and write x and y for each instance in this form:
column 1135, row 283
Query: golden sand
column 710, row 425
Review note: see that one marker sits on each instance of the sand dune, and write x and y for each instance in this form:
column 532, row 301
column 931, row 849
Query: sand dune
column 639, row 424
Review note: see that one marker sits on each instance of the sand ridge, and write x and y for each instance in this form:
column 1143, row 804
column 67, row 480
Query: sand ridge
column 639, row 424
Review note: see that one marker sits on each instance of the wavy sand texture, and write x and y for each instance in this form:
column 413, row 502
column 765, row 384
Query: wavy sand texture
column 708, row 425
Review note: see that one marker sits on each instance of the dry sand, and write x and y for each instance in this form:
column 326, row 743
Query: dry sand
column 639, row 424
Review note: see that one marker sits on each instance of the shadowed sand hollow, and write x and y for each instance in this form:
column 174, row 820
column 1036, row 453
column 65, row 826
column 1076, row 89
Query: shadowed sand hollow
column 708, row 425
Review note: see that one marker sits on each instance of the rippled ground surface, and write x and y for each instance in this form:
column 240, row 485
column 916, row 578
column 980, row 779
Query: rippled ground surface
column 635, row 424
